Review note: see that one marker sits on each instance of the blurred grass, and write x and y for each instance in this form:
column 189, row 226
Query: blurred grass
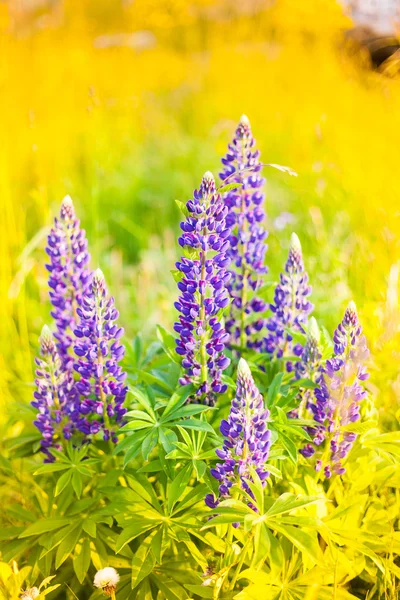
column 127, row 124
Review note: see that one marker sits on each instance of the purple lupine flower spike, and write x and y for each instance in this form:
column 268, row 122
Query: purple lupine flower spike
column 247, row 439
column 291, row 306
column 69, row 276
column 101, row 385
column 339, row 394
column 248, row 239
column 202, row 338
column 49, row 397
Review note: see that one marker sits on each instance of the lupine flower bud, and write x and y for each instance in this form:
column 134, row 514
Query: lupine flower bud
column 107, row 579
column 202, row 338
column 291, row 306
column 338, row 395
column 69, row 276
column 308, row 366
column 101, row 385
column 247, row 439
column 247, row 241
column 50, row 394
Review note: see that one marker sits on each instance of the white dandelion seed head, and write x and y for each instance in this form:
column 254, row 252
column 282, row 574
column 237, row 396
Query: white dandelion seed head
column 106, row 578
column 30, row 594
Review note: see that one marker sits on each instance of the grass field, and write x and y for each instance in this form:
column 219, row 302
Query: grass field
column 125, row 130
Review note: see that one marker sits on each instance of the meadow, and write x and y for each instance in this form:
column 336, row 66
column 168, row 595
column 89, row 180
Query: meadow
column 124, row 108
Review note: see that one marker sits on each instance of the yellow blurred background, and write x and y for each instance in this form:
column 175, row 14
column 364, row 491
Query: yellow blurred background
column 124, row 105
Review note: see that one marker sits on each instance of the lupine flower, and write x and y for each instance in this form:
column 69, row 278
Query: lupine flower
column 102, row 382
column 291, row 306
column 247, row 439
column 310, row 357
column 202, row 338
column 247, row 242
column 50, row 394
column 339, row 394
column 107, row 579
column 308, row 366
column 69, row 276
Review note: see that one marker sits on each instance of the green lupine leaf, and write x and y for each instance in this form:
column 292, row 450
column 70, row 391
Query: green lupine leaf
column 152, row 467
column 177, row 399
column 201, row 590
column 63, row 481
column 228, row 187
column 288, row 502
column 82, row 561
column 143, row 561
column 136, row 425
column 67, row 546
column 168, row 343
column 185, row 411
column 77, row 483
column 52, row 468
column 168, row 438
column 43, row 526
column 273, row 389
column 149, row 442
column 177, row 487
column 196, row 424
column 89, row 526
column 132, row 532
column 302, row 540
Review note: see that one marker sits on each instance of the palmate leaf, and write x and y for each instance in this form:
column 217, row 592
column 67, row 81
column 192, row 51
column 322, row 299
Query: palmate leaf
column 288, row 502
column 143, row 561
column 171, row 589
column 133, row 531
column 306, row 542
column 177, row 400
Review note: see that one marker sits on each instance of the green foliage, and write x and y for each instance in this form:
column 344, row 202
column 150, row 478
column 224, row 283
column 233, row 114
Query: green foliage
column 139, row 507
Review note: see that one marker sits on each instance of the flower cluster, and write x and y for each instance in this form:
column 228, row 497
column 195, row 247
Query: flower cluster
column 50, row 398
column 338, row 395
column 247, row 241
column 204, row 277
column 247, row 439
column 102, row 381
column 291, row 306
column 69, row 276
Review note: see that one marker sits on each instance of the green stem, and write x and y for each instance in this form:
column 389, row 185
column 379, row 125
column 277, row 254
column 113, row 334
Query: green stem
column 241, row 561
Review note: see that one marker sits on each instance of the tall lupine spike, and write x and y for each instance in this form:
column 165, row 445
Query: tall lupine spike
column 102, row 382
column 49, row 397
column 308, row 366
column 291, row 306
column 69, row 276
column 338, row 396
column 247, row 439
column 310, row 358
column 248, row 239
column 202, row 338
